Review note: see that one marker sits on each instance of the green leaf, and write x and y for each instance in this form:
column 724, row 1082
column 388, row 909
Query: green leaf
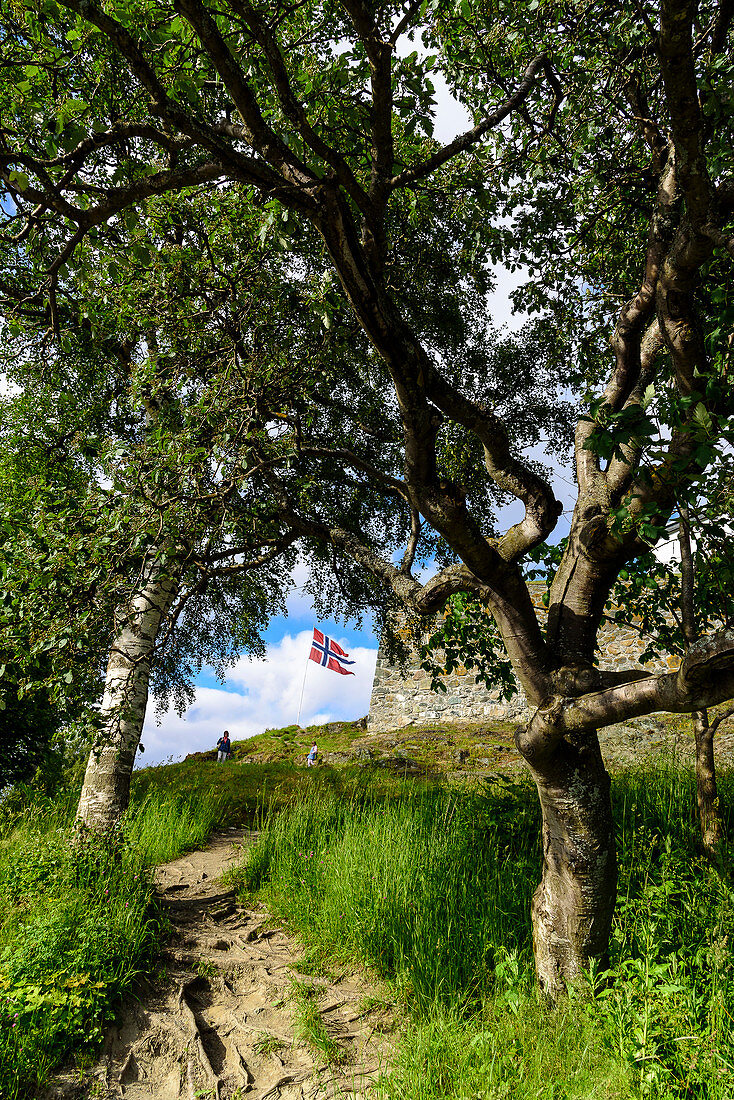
column 701, row 416
column 648, row 397
column 19, row 179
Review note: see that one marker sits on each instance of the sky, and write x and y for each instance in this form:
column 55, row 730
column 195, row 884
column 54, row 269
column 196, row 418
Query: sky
column 261, row 694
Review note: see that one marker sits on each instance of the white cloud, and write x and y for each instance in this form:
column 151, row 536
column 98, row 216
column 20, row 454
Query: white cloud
column 261, row 694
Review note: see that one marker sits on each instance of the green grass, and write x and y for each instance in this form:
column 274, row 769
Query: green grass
column 391, row 879
column 432, row 892
column 430, row 888
column 77, row 927
column 244, row 793
column 310, row 1027
column 267, row 1044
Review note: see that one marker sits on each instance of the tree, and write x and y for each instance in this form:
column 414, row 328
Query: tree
column 37, row 497
column 157, row 551
column 599, row 158
column 713, row 546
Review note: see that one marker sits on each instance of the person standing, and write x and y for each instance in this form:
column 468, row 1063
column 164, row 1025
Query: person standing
column 313, row 755
column 224, row 747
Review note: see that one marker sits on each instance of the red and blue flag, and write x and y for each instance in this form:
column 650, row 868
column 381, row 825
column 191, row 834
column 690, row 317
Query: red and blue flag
column 326, row 652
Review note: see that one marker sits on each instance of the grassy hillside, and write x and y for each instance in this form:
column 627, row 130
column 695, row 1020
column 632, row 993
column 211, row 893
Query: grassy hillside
column 416, row 852
column 431, row 891
column 438, row 747
column 269, row 770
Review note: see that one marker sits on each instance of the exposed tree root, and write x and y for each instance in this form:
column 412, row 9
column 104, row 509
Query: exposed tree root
column 218, row 1022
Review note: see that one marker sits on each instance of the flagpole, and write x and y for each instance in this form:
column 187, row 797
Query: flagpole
column 303, row 685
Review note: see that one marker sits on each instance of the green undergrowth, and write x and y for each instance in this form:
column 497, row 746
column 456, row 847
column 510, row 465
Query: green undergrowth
column 244, row 793
column 432, row 891
column 77, row 926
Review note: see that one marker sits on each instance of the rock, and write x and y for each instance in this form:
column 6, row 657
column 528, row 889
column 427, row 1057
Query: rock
column 401, row 765
column 337, row 757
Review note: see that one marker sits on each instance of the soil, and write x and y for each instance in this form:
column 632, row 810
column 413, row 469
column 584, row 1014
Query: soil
column 220, row 1020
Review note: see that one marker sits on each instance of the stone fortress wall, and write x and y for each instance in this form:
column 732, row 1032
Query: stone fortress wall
column 403, row 698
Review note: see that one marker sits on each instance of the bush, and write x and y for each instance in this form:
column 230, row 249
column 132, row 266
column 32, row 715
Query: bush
column 77, row 927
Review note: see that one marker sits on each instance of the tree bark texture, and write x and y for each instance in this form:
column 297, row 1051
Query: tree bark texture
column 709, row 814
column 706, row 791
column 106, row 789
column 573, row 906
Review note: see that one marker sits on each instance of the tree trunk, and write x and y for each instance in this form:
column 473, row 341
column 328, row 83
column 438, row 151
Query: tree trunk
column 708, row 801
column 573, row 906
column 712, row 830
column 106, row 789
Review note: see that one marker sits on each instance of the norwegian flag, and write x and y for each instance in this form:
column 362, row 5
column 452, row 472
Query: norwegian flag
column 326, row 652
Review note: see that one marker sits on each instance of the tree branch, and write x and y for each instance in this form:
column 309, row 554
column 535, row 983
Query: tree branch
column 293, row 109
column 675, row 45
column 207, row 136
column 720, row 718
column 470, row 138
column 509, row 473
column 705, row 678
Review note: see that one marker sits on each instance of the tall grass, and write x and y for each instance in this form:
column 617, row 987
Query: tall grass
column 160, row 826
column 394, row 881
column 77, row 926
column 433, row 893
column 243, row 792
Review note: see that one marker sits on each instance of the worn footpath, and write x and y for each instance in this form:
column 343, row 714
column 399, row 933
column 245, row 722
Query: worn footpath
column 228, row 1015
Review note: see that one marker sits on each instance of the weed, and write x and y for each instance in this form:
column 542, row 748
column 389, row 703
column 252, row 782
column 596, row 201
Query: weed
column 310, row 1027
column 267, row 1044
column 368, row 1005
column 316, row 964
column 205, row 968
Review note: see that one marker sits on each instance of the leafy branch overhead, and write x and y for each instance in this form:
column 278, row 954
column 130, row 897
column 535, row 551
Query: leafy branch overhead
column 364, row 408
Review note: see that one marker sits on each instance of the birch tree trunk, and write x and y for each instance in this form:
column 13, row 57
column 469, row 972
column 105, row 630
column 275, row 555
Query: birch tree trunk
column 106, row 789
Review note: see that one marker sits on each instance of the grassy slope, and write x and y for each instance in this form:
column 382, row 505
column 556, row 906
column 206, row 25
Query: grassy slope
column 432, row 892
column 75, row 930
column 431, row 889
column 77, row 926
column 435, row 747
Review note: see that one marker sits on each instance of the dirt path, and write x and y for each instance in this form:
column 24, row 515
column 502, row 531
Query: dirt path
column 229, row 1016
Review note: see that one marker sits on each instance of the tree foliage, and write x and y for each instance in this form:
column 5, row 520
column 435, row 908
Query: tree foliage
column 391, row 421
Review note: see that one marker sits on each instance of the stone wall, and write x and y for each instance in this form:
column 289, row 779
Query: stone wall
column 399, row 699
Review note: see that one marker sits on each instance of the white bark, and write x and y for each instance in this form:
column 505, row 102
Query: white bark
column 106, row 789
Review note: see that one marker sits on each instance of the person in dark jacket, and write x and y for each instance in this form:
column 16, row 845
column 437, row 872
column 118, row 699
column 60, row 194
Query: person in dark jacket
column 224, row 747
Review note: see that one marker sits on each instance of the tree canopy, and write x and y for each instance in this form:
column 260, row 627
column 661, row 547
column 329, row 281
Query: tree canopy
column 598, row 159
